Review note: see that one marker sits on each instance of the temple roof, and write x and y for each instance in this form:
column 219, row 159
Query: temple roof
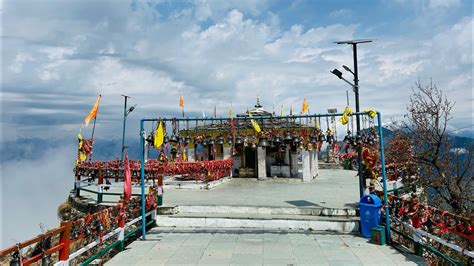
column 256, row 111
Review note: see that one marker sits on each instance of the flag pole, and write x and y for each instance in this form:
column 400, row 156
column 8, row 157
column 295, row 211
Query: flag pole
column 93, row 130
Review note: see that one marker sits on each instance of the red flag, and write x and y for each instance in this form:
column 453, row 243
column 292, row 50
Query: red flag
column 127, row 183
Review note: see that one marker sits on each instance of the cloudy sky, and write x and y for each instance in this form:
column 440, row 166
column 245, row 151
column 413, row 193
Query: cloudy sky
column 57, row 56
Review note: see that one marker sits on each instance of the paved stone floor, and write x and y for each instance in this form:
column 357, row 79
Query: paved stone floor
column 332, row 188
column 181, row 246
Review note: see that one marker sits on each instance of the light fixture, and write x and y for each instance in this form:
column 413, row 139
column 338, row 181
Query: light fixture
column 337, row 73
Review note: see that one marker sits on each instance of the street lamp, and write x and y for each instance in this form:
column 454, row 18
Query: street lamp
column 125, row 114
column 355, row 88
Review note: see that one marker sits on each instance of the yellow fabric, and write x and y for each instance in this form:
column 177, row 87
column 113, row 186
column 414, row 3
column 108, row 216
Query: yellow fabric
column 230, row 112
column 255, row 125
column 316, row 123
column 93, row 112
column 305, row 106
column 345, row 115
column 79, row 137
column 184, row 155
column 159, row 136
column 181, row 101
column 371, row 112
column 82, row 157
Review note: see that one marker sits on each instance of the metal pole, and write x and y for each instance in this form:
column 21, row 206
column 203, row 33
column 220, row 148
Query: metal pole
column 359, row 147
column 384, row 177
column 124, row 121
column 142, row 175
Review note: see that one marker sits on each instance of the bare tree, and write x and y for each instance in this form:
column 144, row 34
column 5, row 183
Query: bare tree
column 445, row 174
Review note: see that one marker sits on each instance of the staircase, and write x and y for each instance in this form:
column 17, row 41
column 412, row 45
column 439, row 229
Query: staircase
column 262, row 218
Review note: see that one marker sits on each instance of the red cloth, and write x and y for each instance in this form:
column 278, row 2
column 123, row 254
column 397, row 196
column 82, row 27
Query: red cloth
column 127, row 184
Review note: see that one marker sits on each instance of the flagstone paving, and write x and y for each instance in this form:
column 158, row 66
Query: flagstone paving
column 185, row 246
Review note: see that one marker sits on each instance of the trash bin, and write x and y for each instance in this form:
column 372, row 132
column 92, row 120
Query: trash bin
column 369, row 209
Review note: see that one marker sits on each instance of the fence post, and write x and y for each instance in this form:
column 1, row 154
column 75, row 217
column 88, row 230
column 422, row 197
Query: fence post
column 64, row 239
column 99, row 194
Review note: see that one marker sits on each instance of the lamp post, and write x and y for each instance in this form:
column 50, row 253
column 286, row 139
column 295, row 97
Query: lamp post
column 125, row 114
column 355, row 88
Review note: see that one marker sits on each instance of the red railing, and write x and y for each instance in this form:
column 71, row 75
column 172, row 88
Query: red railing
column 198, row 170
column 90, row 228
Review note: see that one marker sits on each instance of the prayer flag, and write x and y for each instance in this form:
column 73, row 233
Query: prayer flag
column 159, row 136
column 371, row 112
column 345, row 115
column 181, row 101
column 255, row 125
column 93, row 112
column 305, row 108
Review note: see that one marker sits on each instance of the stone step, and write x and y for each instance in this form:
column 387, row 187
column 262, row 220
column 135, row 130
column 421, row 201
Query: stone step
column 261, row 221
column 259, row 210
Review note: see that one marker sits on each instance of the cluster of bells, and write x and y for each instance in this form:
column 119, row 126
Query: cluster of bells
column 45, row 259
column 263, row 141
column 367, row 137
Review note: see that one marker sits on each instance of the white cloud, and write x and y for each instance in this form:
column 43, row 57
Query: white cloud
column 443, row 3
column 242, row 50
column 341, row 13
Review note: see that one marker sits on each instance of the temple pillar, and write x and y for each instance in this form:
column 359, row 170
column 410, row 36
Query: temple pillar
column 306, row 167
column 261, row 163
column 314, row 163
column 190, row 153
column 226, row 152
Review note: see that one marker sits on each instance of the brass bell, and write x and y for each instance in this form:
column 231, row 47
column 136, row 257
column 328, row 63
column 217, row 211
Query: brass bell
column 263, row 142
column 296, row 139
column 253, row 145
column 220, row 140
column 229, row 139
column 301, row 145
column 238, row 140
column 276, row 140
column 288, row 139
column 211, row 141
column 15, row 259
column 150, row 138
column 173, row 139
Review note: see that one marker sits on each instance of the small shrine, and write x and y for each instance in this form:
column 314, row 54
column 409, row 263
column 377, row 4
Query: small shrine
column 285, row 147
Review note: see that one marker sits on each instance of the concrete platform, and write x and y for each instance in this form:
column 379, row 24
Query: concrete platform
column 333, row 188
column 179, row 246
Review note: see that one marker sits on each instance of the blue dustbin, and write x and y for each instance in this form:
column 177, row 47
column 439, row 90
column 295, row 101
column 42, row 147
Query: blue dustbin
column 369, row 209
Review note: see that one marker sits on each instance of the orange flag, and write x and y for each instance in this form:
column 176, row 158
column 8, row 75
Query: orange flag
column 181, row 101
column 94, row 110
column 127, row 182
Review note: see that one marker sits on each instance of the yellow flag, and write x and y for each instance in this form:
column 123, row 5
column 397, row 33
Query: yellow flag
column 305, row 108
column 93, row 112
column 79, row 137
column 255, row 125
column 230, row 112
column 184, row 155
column 371, row 112
column 159, row 136
column 345, row 115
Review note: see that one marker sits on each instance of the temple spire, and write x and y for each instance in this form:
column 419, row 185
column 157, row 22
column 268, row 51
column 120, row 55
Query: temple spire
column 258, row 105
